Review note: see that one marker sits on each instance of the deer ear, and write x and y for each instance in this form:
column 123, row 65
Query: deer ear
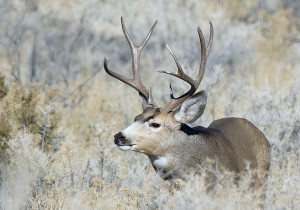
column 192, row 108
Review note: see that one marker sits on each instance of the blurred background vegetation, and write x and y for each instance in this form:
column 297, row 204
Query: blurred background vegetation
column 59, row 110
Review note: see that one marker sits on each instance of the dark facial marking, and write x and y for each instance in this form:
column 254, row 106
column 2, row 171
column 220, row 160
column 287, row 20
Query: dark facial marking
column 147, row 115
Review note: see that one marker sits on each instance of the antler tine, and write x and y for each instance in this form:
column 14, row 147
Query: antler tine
column 203, row 55
column 136, row 51
column 204, row 50
column 181, row 75
column 148, row 36
column 131, row 43
column 211, row 36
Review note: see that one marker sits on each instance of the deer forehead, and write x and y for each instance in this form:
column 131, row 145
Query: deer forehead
column 147, row 114
column 155, row 115
column 143, row 121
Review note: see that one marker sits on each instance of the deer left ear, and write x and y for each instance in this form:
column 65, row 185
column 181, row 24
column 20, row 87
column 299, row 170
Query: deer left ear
column 192, row 108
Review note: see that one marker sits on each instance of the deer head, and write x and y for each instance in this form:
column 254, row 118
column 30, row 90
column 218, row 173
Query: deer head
column 155, row 126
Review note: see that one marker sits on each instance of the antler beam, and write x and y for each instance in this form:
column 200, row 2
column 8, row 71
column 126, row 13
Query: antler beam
column 136, row 51
column 181, row 75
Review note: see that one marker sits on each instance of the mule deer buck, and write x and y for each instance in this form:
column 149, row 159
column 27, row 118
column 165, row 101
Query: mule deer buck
column 176, row 149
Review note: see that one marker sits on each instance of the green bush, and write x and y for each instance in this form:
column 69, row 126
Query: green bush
column 3, row 87
column 26, row 108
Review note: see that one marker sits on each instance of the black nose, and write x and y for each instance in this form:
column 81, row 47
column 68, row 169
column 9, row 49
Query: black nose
column 119, row 138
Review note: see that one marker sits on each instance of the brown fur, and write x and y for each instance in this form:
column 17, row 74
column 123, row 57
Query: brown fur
column 234, row 142
column 229, row 144
column 175, row 149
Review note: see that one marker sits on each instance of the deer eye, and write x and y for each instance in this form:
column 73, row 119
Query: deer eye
column 154, row 125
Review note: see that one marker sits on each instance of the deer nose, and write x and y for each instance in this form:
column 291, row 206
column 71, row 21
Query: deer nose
column 119, row 138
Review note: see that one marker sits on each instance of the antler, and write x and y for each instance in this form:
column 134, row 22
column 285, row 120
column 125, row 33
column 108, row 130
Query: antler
column 181, row 75
column 136, row 51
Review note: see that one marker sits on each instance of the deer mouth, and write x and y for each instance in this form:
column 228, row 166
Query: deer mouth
column 122, row 142
column 126, row 147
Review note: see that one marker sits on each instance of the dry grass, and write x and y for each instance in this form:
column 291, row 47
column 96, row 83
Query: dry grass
column 253, row 72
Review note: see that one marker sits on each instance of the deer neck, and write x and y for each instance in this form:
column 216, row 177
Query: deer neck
column 170, row 163
column 163, row 167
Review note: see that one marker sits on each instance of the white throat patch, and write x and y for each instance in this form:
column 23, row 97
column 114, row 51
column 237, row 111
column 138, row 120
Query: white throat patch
column 125, row 148
column 160, row 163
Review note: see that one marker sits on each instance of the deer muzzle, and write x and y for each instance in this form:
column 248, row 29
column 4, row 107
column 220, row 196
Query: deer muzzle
column 120, row 139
